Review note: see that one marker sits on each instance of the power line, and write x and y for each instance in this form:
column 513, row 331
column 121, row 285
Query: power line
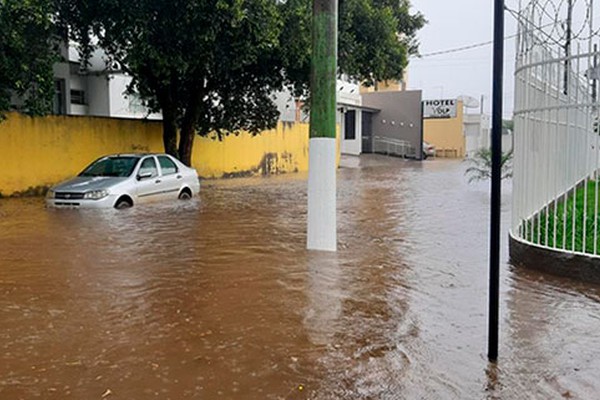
column 482, row 44
column 463, row 48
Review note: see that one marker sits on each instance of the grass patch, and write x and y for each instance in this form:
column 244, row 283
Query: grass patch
column 569, row 221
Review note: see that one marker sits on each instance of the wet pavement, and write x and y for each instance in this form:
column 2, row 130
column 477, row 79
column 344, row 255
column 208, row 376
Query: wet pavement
column 217, row 297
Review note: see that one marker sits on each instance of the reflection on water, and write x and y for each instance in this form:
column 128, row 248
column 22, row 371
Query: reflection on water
column 324, row 298
column 217, row 298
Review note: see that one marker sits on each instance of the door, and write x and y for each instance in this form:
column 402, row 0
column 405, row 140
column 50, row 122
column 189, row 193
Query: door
column 351, row 143
column 149, row 183
column 170, row 176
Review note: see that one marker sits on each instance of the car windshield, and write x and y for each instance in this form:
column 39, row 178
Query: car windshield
column 111, row 166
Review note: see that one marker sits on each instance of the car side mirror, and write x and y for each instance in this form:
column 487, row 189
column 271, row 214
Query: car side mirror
column 144, row 175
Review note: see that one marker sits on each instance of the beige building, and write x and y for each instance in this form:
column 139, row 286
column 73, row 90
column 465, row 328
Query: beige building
column 443, row 127
column 387, row 86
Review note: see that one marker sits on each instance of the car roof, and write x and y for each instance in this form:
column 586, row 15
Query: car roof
column 135, row 154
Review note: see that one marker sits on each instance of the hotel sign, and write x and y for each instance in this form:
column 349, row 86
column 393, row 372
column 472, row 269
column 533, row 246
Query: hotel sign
column 439, row 108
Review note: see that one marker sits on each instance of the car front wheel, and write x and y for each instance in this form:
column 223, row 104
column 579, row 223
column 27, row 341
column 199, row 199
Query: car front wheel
column 185, row 195
column 123, row 203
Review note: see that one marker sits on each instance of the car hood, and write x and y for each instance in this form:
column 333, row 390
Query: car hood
column 86, row 183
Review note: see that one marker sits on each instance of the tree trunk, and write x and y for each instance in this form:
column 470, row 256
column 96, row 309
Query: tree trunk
column 188, row 129
column 169, row 133
column 186, row 143
column 169, row 122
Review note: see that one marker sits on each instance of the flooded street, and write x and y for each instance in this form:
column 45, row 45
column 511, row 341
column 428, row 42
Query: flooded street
column 218, row 298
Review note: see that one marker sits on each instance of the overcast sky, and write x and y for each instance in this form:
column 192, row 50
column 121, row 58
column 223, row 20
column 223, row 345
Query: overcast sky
column 454, row 24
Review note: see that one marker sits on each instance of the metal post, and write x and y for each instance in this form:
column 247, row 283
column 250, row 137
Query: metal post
column 321, row 233
column 594, row 80
column 494, row 303
column 568, row 46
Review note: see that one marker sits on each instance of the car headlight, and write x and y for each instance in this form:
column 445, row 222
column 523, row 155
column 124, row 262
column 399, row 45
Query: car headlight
column 50, row 194
column 96, row 194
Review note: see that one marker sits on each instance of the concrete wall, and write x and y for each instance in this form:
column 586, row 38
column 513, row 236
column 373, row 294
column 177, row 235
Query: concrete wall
column 281, row 150
column 583, row 267
column 400, row 115
column 43, row 151
column 446, row 134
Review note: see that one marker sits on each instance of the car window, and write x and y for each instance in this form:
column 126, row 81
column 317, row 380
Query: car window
column 167, row 166
column 148, row 165
column 111, row 166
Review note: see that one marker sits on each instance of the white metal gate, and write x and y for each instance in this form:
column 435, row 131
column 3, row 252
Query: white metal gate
column 556, row 152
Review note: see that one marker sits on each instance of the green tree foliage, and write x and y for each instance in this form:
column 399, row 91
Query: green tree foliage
column 376, row 37
column 481, row 165
column 211, row 66
column 208, row 66
column 28, row 50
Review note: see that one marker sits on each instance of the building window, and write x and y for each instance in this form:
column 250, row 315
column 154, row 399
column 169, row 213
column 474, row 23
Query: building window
column 350, row 125
column 77, row 97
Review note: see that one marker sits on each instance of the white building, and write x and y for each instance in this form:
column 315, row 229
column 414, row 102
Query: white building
column 477, row 129
column 99, row 90
column 349, row 117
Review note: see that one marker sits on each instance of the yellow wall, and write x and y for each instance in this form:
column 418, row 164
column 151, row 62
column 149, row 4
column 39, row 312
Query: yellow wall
column 446, row 134
column 284, row 149
column 43, row 151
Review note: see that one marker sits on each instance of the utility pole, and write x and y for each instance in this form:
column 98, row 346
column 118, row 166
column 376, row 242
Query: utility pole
column 322, row 232
column 494, row 294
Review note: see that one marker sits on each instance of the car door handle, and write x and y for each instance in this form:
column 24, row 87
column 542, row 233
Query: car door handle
column 179, row 176
column 157, row 181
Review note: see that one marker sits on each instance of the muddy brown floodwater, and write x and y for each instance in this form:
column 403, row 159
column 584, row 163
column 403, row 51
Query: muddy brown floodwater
column 217, row 297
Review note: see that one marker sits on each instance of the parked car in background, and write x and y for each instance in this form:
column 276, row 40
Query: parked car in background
column 428, row 150
column 124, row 180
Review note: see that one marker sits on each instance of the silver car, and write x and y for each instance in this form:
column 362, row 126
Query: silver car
column 123, row 180
column 428, row 150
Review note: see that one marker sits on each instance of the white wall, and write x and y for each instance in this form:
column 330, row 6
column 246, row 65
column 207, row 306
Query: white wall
column 477, row 132
column 97, row 61
column 286, row 105
column 348, row 94
column 98, row 98
column 122, row 105
column 507, row 142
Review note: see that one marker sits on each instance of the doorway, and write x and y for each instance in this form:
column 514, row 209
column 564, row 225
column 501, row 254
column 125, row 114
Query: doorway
column 367, row 132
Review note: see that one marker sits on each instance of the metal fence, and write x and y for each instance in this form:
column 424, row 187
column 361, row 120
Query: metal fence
column 395, row 147
column 557, row 148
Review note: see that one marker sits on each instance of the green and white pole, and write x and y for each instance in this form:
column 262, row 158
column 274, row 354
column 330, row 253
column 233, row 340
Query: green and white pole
column 322, row 233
